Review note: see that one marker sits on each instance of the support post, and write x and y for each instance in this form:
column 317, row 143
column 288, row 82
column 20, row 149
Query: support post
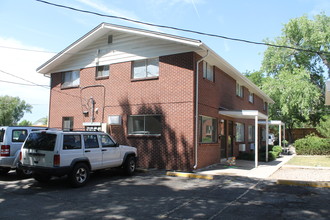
column 256, row 141
column 280, row 135
column 267, row 138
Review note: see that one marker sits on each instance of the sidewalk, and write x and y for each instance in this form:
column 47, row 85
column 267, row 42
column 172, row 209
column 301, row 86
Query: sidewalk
column 246, row 168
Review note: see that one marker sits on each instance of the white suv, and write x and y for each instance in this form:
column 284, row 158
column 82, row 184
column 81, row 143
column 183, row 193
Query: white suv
column 11, row 141
column 74, row 153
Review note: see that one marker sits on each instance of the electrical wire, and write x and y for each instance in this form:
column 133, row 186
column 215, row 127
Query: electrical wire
column 181, row 29
column 22, row 84
column 10, row 74
column 16, row 48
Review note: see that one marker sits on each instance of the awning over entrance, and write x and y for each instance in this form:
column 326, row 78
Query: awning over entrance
column 280, row 124
column 250, row 114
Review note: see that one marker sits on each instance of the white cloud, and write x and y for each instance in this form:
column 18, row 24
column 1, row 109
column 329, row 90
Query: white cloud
column 23, row 63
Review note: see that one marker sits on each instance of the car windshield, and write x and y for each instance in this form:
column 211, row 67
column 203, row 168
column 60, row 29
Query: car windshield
column 40, row 141
column 2, row 134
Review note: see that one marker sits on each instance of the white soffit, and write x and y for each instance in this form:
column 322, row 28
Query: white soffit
column 244, row 114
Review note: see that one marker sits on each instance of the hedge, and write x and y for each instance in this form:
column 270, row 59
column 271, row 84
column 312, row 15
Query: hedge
column 312, row 145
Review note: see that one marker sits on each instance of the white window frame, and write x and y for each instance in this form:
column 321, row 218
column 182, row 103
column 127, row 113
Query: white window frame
column 145, row 69
column 208, row 132
column 102, row 71
column 251, row 97
column 70, row 79
column 143, row 126
column 239, row 90
column 240, row 132
column 208, row 71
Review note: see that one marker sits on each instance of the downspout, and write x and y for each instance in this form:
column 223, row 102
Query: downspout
column 196, row 110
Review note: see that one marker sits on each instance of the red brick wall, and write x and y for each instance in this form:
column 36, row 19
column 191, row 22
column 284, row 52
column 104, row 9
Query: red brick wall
column 222, row 93
column 171, row 96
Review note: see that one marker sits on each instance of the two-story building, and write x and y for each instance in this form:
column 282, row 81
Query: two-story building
column 181, row 104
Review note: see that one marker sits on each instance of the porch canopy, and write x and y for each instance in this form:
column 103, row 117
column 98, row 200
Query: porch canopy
column 250, row 114
column 280, row 124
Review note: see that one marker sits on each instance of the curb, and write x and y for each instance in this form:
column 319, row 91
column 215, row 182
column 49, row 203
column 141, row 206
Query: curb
column 190, row 175
column 323, row 184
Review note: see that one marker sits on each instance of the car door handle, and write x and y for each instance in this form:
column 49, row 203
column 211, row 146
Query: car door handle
column 104, row 149
column 86, row 151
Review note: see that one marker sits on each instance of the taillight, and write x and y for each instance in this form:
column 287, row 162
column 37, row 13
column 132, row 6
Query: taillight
column 20, row 155
column 57, row 160
column 5, row 151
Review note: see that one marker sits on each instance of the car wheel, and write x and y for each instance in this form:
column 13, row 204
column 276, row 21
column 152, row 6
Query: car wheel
column 129, row 166
column 4, row 170
column 79, row 175
column 42, row 178
column 23, row 173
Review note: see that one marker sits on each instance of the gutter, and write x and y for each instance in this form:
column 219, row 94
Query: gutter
column 196, row 109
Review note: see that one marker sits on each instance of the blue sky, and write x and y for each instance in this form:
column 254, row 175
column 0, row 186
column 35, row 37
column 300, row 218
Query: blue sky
column 37, row 26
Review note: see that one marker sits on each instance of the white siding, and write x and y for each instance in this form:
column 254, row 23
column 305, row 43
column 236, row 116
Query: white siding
column 125, row 47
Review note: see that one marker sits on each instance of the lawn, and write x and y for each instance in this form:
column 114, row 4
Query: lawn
column 313, row 161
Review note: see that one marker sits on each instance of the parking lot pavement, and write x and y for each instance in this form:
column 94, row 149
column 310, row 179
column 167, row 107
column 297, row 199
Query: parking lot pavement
column 153, row 195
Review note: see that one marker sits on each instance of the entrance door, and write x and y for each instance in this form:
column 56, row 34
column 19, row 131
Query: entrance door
column 230, row 139
column 223, row 138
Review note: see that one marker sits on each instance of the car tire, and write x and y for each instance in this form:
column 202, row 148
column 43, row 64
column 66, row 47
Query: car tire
column 129, row 166
column 23, row 173
column 79, row 175
column 42, row 178
column 4, row 170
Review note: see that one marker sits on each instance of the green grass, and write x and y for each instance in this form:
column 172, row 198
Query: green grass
column 313, row 161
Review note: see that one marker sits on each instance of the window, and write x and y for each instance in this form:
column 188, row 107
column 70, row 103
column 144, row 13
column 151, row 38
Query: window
column 40, row 141
column 106, row 141
column 67, row 123
column 239, row 132
column 70, row 79
column 251, row 97
column 102, row 71
column 208, row 72
column 265, row 106
column 208, row 129
column 145, row 68
column 251, row 133
column 144, row 124
column 91, row 141
column 239, row 90
column 19, row 135
column 71, row 142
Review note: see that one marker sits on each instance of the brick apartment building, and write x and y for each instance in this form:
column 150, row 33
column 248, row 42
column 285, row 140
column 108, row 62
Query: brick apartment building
column 140, row 86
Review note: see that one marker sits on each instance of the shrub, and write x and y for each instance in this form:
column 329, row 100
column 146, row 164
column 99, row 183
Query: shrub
column 312, row 145
column 272, row 155
column 277, row 150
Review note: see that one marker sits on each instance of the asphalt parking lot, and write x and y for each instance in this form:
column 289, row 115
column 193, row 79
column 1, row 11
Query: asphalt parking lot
column 153, row 195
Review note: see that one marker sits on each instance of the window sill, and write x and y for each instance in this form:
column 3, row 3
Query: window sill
column 144, row 135
column 145, row 79
column 207, row 80
column 69, row 87
column 101, row 77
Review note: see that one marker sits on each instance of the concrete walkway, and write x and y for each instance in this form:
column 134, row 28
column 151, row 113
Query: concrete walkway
column 246, row 168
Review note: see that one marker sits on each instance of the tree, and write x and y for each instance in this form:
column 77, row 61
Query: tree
column 12, row 110
column 324, row 127
column 257, row 77
column 25, row 123
column 296, row 98
column 311, row 35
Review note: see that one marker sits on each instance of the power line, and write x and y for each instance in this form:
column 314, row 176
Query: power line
column 185, row 30
column 23, row 84
column 16, row 48
column 47, row 87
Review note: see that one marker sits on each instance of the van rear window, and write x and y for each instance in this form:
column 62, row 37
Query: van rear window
column 40, row 141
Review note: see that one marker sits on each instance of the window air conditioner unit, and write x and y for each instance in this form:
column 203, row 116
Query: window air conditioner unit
column 241, row 147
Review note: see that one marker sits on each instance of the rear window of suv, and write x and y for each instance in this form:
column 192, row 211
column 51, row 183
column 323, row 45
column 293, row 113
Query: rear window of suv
column 41, row 141
column 2, row 134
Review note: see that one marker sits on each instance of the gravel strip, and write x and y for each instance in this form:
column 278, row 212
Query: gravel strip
column 288, row 172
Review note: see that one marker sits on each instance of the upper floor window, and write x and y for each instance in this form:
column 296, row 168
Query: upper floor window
column 67, row 123
column 239, row 90
column 208, row 71
column 145, row 68
column 70, row 78
column 265, row 106
column 102, row 71
column 251, row 97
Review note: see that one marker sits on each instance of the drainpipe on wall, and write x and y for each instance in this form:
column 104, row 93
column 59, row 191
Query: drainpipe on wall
column 196, row 110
